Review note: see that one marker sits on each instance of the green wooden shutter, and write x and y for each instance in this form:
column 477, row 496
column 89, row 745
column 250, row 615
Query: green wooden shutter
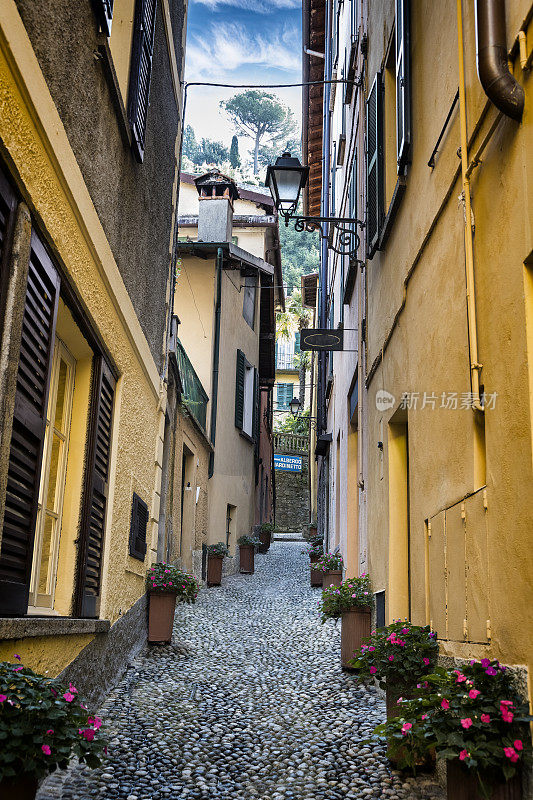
column 104, row 12
column 289, row 394
column 297, row 342
column 141, row 72
column 8, row 204
column 374, row 165
column 29, row 427
column 257, row 409
column 96, row 491
column 403, row 98
column 239, row 390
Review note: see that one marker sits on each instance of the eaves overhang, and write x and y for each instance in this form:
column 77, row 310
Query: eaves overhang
column 234, row 257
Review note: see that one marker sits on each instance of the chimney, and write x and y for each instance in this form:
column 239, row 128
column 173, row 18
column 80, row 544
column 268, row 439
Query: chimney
column 216, row 193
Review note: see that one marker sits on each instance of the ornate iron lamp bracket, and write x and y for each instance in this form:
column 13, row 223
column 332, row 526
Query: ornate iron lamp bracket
column 347, row 240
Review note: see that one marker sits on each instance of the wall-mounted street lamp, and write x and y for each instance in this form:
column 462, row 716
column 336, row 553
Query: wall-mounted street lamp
column 286, row 179
column 296, row 407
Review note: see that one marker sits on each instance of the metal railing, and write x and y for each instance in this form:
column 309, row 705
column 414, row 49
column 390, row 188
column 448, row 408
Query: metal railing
column 290, row 443
column 284, row 361
column 194, row 395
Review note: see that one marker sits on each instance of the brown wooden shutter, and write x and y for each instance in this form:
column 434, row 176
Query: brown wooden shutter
column 239, row 390
column 96, row 492
column 29, row 426
column 141, row 72
column 139, row 526
column 375, row 188
column 256, row 410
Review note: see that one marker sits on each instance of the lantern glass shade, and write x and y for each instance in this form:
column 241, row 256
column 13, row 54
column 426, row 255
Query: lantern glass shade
column 285, row 180
column 294, row 406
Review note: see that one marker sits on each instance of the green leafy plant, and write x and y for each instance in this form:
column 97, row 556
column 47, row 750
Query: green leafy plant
column 329, row 562
column 248, row 541
column 168, row 578
column 352, row 593
column 42, row 725
column 316, row 549
column 267, row 527
column 401, row 654
column 473, row 715
column 218, row 549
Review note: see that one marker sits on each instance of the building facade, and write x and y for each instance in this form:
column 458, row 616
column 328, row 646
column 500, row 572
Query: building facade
column 425, row 478
column 228, row 288
column 90, row 114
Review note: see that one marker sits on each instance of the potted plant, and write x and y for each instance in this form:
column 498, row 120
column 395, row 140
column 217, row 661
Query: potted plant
column 265, row 536
column 399, row 657
column 247, row 545
column 330, row 565
column 474, row 718
column 315, row 552
column 42, row 726
column 165, row 584
column 351, row 602
column 215, row 556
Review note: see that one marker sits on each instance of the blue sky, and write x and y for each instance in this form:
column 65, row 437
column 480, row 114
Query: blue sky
column 240, row 41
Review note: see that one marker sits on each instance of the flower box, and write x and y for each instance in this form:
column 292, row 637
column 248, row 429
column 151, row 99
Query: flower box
column 316, row 575
column 161, row 609
column 333, row 577
column 461, row 784
column 265, row 538
column 22, row 787
column 214, row 569
column 355, row 627
column 246, row 558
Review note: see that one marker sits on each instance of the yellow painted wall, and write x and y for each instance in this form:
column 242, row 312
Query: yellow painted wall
column 36, row 143
column 428, row 352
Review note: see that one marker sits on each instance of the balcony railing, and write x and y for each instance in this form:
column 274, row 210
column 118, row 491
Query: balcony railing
column 194, row 395
column 285, row 361
column 290, row 443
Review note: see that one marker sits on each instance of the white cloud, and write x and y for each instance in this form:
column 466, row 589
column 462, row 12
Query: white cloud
column 259, row 6
column 227, row 47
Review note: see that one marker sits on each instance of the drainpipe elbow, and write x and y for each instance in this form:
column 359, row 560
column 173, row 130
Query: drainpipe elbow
column 491, row 51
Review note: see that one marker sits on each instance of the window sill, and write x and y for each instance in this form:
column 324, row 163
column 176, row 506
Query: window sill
column 399, row 191
column 247, row 437
column 24, row 627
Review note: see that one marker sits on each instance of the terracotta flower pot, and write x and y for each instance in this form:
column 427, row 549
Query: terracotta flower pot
column 392, row 695
column 462, row 785
column 355, row 626
column 265, row 538
column 333, row 577
column 316, row 575
column 23, row 787
column 246, row 558
column 162, row 606
column 312, row 531
column 214, row 570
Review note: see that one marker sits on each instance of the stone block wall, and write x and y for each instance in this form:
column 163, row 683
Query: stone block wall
column 292, row 498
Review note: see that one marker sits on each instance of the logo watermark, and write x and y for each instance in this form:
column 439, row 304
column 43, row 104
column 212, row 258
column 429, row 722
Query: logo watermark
column 451, row 401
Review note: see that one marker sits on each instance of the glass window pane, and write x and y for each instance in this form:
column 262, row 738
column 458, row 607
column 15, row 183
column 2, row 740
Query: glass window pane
column 46, row 553
column 60, row 422
column 55, row 458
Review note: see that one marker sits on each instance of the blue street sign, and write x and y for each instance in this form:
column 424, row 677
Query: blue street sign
column 288, row 463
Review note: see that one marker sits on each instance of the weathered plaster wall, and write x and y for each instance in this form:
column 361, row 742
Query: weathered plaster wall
column 133, row 201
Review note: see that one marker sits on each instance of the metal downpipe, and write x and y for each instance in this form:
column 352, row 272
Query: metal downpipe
column 216, row 359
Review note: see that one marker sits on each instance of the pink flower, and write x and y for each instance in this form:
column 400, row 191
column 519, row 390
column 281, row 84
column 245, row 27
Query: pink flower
column 399, row 700
column 473, row 693
column 445, row 705
column 371, row 648
column 46, row 749
column 405, row 630
column 462, row 755
column 69, row 697
column 505, row 703
column 424, row 716
column 460, row 678
column 16, row 655
column 50, row 731
column 518, row 744
column 426, row 661
column 72, row 689
column 485, row 662
column 88, row 734
column 17, row 669
column 354, row 595
column 3, row 698
column 466, row 723
column 485, row 718
column 96, row 722
column 373, row 670
column 391, row 658
column 507, row 716
column 491, row 671
column 406, row 727
column 511, row 754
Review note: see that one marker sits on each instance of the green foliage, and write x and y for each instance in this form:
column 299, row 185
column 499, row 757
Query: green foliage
column 234, row 157
column 248, row 541
column 42, row 725
column 218, row 549
column 352, row 593
column 205, row 152
column 329, row 562
column 168, row 578
column 269, row 153
column 267, row 527
column 300, row 253
column 298, row 425
column 260, row 115
column 474, row 715
column 401, row 654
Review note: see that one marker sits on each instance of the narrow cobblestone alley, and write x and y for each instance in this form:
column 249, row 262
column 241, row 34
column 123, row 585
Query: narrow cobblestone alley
column 249, row 702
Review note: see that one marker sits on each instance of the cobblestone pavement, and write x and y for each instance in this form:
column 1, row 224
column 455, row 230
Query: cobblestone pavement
column 250, row 702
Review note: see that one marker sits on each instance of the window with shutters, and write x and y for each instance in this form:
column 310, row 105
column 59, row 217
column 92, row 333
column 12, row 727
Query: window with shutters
column 284, row 395
column 374, row 165
column 138, row 527
column 141, row 72
column 104, row 13
column 248, row 306
column 245, row 395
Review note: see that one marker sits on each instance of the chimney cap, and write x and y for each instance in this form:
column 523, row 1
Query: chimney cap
column 215, row 184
